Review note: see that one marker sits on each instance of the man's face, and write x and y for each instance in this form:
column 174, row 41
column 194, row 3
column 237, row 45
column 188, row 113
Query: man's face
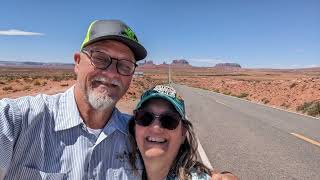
column 103, row 88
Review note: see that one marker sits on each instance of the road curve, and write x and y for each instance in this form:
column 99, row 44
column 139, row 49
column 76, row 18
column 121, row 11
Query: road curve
column 251, row 140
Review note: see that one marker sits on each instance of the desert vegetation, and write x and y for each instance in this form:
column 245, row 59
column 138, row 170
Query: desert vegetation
column 290, row 90
column 311, row 108
column 297, row 91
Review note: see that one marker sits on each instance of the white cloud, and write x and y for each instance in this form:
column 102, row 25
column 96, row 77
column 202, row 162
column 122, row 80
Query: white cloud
column 312, row 66
column 295, row 65
column 15, row 32
column 206, row 62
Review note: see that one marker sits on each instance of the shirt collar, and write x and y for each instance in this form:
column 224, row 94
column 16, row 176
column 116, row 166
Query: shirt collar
column 117, row 121
column 68, row 115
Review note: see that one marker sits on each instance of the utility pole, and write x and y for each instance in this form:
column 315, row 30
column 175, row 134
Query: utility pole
column 169, row 76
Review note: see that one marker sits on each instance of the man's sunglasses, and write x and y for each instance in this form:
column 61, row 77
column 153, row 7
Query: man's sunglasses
column 168, row 120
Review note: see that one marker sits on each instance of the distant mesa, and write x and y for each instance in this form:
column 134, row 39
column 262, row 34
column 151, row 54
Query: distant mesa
column 227, row 65
column 176, row 63
column 180, row 62
column 146, row 63
column 150, row 62
column 30, row 64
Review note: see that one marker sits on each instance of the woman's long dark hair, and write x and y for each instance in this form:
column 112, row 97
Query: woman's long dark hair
column 186, row 158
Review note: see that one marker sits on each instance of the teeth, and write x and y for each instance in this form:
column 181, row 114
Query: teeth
column 105, row 81
column 156, row 139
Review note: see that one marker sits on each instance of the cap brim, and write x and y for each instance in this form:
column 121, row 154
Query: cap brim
column 157, row 95
column 139, row 51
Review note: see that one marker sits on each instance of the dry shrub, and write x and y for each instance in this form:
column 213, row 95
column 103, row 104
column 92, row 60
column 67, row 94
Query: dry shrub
column 285, row 105
column 293, row 85
column 57, row 78
column 64, row 84
column 265, row 100
column 27, row 87
column 311, row 108
column 37, row 83
column 242, row 95
column 216, row 90
column 226, row 93
column 7, row 88
column 27, row 79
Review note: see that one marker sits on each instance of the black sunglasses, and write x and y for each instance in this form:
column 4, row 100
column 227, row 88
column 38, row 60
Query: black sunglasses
column 168, row 120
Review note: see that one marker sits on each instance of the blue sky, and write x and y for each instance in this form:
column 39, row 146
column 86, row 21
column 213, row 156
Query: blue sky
column 253, row 33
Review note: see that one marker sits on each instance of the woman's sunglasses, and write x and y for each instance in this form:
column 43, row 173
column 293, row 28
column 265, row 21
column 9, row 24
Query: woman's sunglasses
column 168, row 120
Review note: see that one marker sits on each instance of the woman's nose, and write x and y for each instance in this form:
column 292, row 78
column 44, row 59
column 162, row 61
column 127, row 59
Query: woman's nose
column 156, row 125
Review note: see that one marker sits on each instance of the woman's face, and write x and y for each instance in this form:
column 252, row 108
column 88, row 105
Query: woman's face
column 157, row 142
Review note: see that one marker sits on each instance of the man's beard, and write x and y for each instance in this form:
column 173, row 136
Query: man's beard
column 102, row 100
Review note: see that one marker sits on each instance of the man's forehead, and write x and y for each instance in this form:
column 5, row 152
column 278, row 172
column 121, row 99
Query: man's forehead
column 112, row 45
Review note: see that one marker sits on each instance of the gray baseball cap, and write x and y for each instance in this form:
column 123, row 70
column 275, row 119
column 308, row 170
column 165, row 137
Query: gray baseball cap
column 114, row 30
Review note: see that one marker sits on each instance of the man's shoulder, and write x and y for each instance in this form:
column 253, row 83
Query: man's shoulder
column 37, row 103
column 37, row 100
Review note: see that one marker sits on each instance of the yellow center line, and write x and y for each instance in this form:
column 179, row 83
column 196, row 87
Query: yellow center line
column 306, row 139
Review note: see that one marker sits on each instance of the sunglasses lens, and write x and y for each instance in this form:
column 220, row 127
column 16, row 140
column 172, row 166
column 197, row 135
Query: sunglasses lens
column 169, row 121
column 143, row 118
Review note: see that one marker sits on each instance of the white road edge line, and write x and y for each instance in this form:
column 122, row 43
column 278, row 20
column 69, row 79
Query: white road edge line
column 221, row 103
column 315, row 118
column 203, row 156
column 202, row 153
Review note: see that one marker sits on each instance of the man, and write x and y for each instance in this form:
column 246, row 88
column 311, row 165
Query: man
column 78, row 134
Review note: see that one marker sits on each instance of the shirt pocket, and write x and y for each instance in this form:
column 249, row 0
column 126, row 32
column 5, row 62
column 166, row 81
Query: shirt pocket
column 25, row 173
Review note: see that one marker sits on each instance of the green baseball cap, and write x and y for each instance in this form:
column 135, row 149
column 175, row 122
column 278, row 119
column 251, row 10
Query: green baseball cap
column 114, row 30
column 167, row 93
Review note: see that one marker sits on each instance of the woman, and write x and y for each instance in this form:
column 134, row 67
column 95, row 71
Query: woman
column 164, row 137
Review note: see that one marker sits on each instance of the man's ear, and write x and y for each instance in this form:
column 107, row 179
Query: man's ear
column 77, row 58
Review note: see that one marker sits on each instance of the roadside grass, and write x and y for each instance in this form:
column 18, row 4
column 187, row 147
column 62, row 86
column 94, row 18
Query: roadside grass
column 311, row 108
column 226, row 93
column 216, row 90
column 241, row 95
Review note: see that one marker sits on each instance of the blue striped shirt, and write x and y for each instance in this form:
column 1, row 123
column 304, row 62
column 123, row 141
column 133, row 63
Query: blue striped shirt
column 44, row 137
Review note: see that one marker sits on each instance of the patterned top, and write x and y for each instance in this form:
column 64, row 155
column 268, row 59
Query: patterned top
column 194, row 176
column 44, row 137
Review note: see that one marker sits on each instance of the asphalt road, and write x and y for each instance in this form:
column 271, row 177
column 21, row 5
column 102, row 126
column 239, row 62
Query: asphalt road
column 251, row 140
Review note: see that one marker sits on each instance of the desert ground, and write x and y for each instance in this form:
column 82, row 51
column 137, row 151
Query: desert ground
column 295, row 90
